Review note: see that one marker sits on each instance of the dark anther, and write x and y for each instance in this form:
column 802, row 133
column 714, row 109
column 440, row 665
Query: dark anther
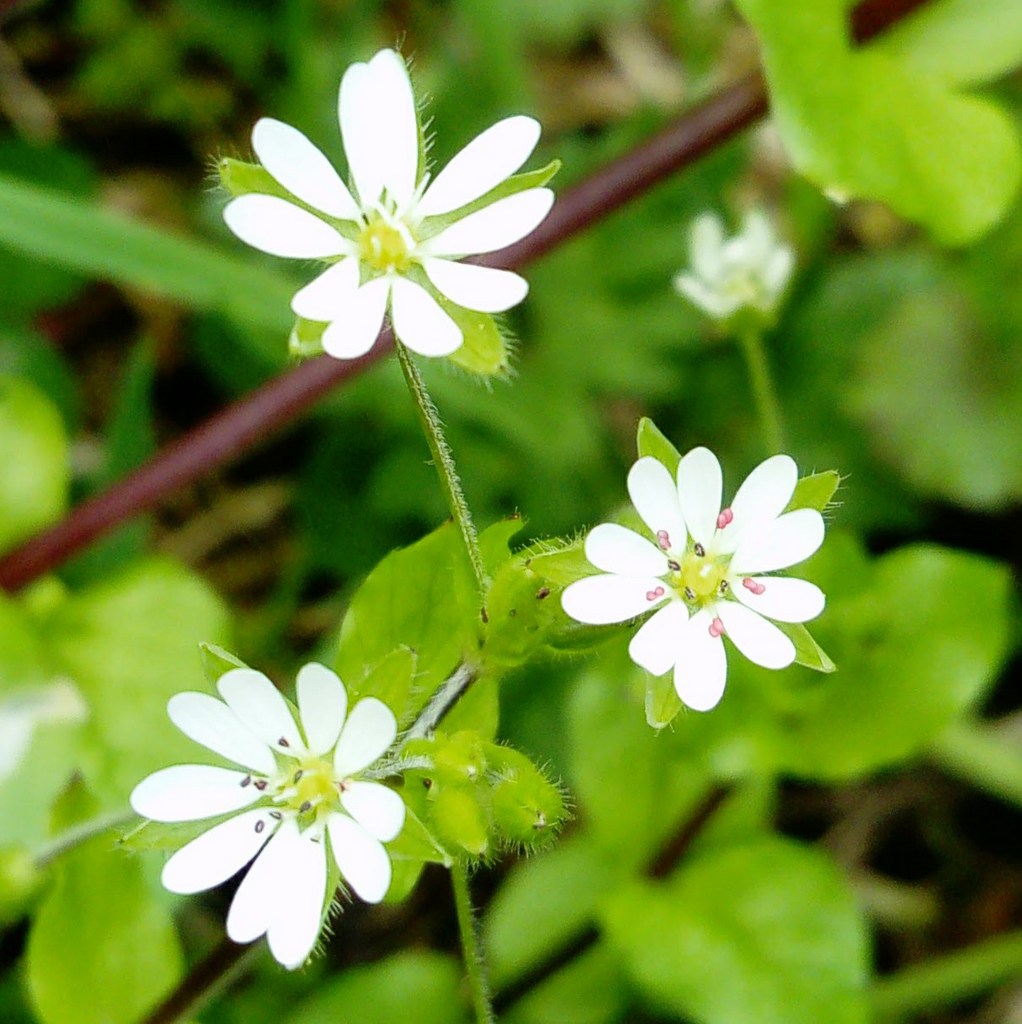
column 283, row 742
column 298, row 775
column 307, row 806
column 690, row 593
column 542, row 592
column 427, row 783
column 277, row 815
column 246, row 781
column 260, row 825
column 673, row 566
column 723, row 586
column 700, row 550
column 260, row 784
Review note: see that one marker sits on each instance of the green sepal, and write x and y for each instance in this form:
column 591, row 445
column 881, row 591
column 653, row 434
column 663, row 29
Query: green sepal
column 166, row 836
column 650, row 440
column 459, row 758
column 807, row 651
column 815, row 491
column 306, row 338
column 564, row 562
column 217, row 662
column 662, row 701
column 484, row 350
column 241, row 178
column 457, row 814
column 521, row 611
column 21, row 880
column 508, row 187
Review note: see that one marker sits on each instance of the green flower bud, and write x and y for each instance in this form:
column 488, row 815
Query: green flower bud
column 521, row 611
column 459, row 819
column 528, row 809
column 460, row 758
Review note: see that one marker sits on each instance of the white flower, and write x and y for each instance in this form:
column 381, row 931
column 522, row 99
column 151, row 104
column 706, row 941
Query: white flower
column 703, row 572
column 299, row 791
column 391, row 238
column 24, row 711
column 750, row 270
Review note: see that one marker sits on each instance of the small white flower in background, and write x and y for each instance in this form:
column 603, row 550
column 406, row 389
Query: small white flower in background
column 24, row 711
column 749, row 271
column 299, row 791
column 703, row 571
column 391, row 238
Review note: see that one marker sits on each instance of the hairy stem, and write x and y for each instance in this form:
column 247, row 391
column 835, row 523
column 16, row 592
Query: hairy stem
column 443, row 462
column 79, row 834
column 446, row 696
column 471, row 946
column 763, row 393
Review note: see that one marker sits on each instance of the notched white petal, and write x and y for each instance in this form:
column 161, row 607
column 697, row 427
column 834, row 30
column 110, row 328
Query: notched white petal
column 302, row 168
column 362, row 860
column 293, row 931
column 419, row 322
column 483, row 164
column 212, row 723
column 655, row 498
column 656, row 645
column 700, row 672
column 322, row 704
column 275, row 226
column 617, row 549
column 261, row 893
column 763, row 496
column 601, row 600
column 369, row 731
column 782, row 598
column 328, row 296
column 485, row 289
column 356, row 328
column 700, row 482
column 377, row 808
column 493, row 227
column 396, row 125
column 261, row 707
column 707, row 245
column 785, row 541
column 190, row 792
column 758, row 639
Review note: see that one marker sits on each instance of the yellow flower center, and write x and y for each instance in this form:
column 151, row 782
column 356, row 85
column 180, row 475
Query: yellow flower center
column 309, row 787
column 700, row 576
column 384, row 247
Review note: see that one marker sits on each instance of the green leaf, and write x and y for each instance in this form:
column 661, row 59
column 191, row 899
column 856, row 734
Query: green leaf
column 102, row 950
column 129, row 643
column 413, row 986
column 865, row 123
column 766, row 933
column 961, row 42
column 815, row 491
column 392, row 680
column 650, row 440
column 94, row 241
column 33, row 485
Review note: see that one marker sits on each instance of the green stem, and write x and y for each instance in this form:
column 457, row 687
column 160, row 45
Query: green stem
column 976, row 754
column 471, row 947
column 949, row 979
column 443, row 460
column 763, row 392
column 74, row 837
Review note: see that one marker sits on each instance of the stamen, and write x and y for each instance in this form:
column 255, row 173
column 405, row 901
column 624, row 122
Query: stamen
column 716, row 628
column 663, row 539
column 277, row 815
column 725, row 518
column 700, row 550
column 306, row 806
column 261, row 784
column 674, row 566
column 298, row 775
column 753, row 587
column 259, row 826
column 724, row 586
column 652, row 595
column 690, row 594
column 246, row 781
column 282, row 742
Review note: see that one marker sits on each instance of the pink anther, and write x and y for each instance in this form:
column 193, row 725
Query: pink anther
column 716, row 628
column 753, row 587
column 652, row 595
column 663, row 539
column 725, row 517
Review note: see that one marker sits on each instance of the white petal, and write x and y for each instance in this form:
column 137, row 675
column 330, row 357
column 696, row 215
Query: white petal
column 701, row 669
column 783, row 599
column 218, row 854
column 263, row 889
column 757, row 239
column 261, row 707
column 328, row 296
column 783, row 542
column 377, row 808
column 656, row 500
column 419, row 322
column 777, row 270
column 212, row 723
column 493, row 227
column 357, row 327
column 699, row 488
column 483, row 288
column 295, row 926
column 369, row 731
column 302, row 168
column 709, row 299
column 379, row 128
column 600, row 600
column 656, row 645
column 763, row 496
column 322, row 704
column 362, row 859
column 274, row 225
column 483, row 164
column 707, row 245
column 617, row 549
column 189, row 792
column 759, row 640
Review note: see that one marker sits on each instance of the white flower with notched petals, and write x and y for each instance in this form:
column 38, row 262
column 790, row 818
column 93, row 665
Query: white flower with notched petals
column 704, row 571
column 750, row 270
column 394, row 237
column 300, row 790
